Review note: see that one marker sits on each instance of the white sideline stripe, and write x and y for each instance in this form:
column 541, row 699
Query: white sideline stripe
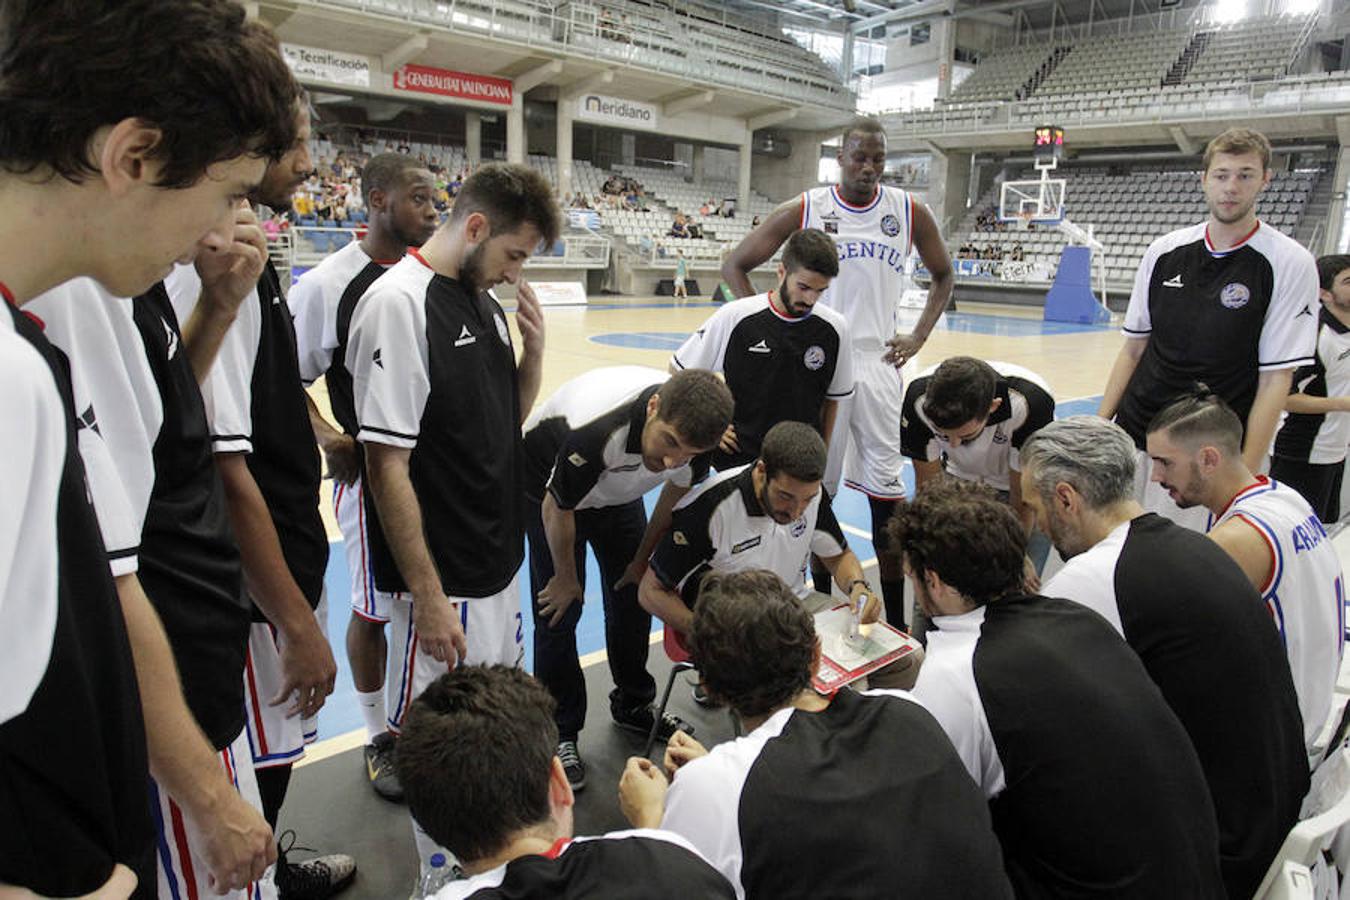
column 856, row 532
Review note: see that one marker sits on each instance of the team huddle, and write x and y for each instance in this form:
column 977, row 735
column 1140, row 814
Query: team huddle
column 1143, row 724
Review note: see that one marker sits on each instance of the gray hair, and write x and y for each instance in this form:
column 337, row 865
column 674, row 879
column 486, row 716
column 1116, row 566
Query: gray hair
column 1094, row 456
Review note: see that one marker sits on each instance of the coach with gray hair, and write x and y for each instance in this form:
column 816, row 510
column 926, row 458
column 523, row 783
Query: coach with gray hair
column 1195, row 621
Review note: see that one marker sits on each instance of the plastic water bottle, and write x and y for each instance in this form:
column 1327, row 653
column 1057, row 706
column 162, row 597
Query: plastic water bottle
column 438, row 876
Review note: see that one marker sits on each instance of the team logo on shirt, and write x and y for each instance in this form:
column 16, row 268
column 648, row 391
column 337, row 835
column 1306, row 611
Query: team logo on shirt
column 813, row 358
column 890, row 225
column 1305, row 311
column 577, row 460
column 830, row 223
column 760, row 347
column 999, row 436
column 798, row 528
column 375, row 358
column 679, row 538
column 465, row 338
column 1174, row 281
column 747, row 544
column 501, row 329
column 1234, row 295
column 87, row 419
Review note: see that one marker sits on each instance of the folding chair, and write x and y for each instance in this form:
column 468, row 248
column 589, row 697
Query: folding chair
column 681, row 661
column 1328, row 807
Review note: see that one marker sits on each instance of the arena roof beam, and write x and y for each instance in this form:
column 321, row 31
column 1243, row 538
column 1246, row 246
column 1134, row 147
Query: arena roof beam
column 591, row 82
column 1185, row 143
column 936, row 9
column 773, row 117
column 405, row 52
column 685, row 104
column 532, row 78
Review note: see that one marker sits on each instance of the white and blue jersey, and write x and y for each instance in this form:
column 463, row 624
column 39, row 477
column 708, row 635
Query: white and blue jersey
column 1304, row 591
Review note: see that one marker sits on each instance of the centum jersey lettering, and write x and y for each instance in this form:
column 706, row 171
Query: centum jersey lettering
column 874, row 242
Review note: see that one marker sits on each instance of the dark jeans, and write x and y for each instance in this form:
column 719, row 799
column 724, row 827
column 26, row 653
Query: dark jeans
column 615, row 534
column 1319, row 483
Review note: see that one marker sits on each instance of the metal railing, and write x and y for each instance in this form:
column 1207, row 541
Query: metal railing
column 308, row 245
column 1260, row 99
column 697, row 53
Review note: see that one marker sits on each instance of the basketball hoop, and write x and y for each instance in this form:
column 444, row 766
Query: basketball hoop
column 1022, row 222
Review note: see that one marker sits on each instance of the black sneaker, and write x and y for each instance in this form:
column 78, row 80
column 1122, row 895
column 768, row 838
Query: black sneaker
column 380, row 768
column 639, row 719
column 313, row 879
column 572, row 764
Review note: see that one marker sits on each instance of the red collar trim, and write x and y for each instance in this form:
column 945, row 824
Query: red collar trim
column 557, row 849
column 8, row 295
column 413, row 252
column 1209, row 245
column 1261, row 481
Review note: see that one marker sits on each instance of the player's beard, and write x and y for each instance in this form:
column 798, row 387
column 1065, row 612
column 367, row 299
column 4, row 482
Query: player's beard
column 471, row 270
column 789, row 304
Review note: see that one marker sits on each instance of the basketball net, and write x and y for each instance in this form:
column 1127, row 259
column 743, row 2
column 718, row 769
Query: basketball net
column 1023, row 220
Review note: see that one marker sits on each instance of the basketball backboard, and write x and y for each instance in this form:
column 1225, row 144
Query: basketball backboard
column 1039, row 201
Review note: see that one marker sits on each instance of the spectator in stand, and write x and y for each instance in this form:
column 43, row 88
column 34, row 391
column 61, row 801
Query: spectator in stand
column 680, row 227
column 706, row 208
column 696, row 231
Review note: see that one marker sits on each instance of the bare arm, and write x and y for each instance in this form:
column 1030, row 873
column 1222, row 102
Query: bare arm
column 664, row 603
column 1121, row 373
column 1306, row 403
column 1249, row 550
column 828, row 413
column 238, row 843
column 933, row 251
column 439, row 632
column 757, row 247
column 339, row 450
column 657, row 526
column 227, row 278
column 563, row 589
column 925, row 470
column 1271, row 390
column 530, row 368
column 848, row 574
column 306, row 659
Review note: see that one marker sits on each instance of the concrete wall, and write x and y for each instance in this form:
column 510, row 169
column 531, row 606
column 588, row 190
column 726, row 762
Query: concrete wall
column 779, row 179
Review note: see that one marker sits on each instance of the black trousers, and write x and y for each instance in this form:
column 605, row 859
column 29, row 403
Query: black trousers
column 1319, row 483
column 614, row 534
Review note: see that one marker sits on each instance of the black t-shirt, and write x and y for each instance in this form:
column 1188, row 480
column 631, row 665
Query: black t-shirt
column 189, row 560
column 434, row 372
column 285, row 458
column 1221, row 317
column 778, row 369
column 73, row 765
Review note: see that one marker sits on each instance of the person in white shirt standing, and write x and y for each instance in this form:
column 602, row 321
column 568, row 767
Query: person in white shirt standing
column 1269, row 529
column 876, row 228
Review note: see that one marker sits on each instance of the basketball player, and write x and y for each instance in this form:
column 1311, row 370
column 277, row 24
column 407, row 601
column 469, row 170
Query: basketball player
column 398, row 191
column 440, row 399
column 784, row 357
column 264, row 448
column 1230, row 301
column 83, row 159
column 1269, row 530
column 477, row 758
column 778, row 811
column 875, row 227
column 1309, row 453
column 1188, row 613
column 681, row 272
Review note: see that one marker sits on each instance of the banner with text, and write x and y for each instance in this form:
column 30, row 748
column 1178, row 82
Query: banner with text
column 617, row 112
column 430, row 80
column 327, row 65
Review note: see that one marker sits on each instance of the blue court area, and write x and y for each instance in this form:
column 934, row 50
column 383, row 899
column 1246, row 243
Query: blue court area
column 340, row 714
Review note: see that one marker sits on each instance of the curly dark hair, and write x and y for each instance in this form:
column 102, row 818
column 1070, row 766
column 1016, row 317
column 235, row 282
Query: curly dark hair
column 698, row 405
column 475, row 756
column 963, row 533
column 510, row 195
column 213, row 84
column 753, row 641
column 960, row 391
